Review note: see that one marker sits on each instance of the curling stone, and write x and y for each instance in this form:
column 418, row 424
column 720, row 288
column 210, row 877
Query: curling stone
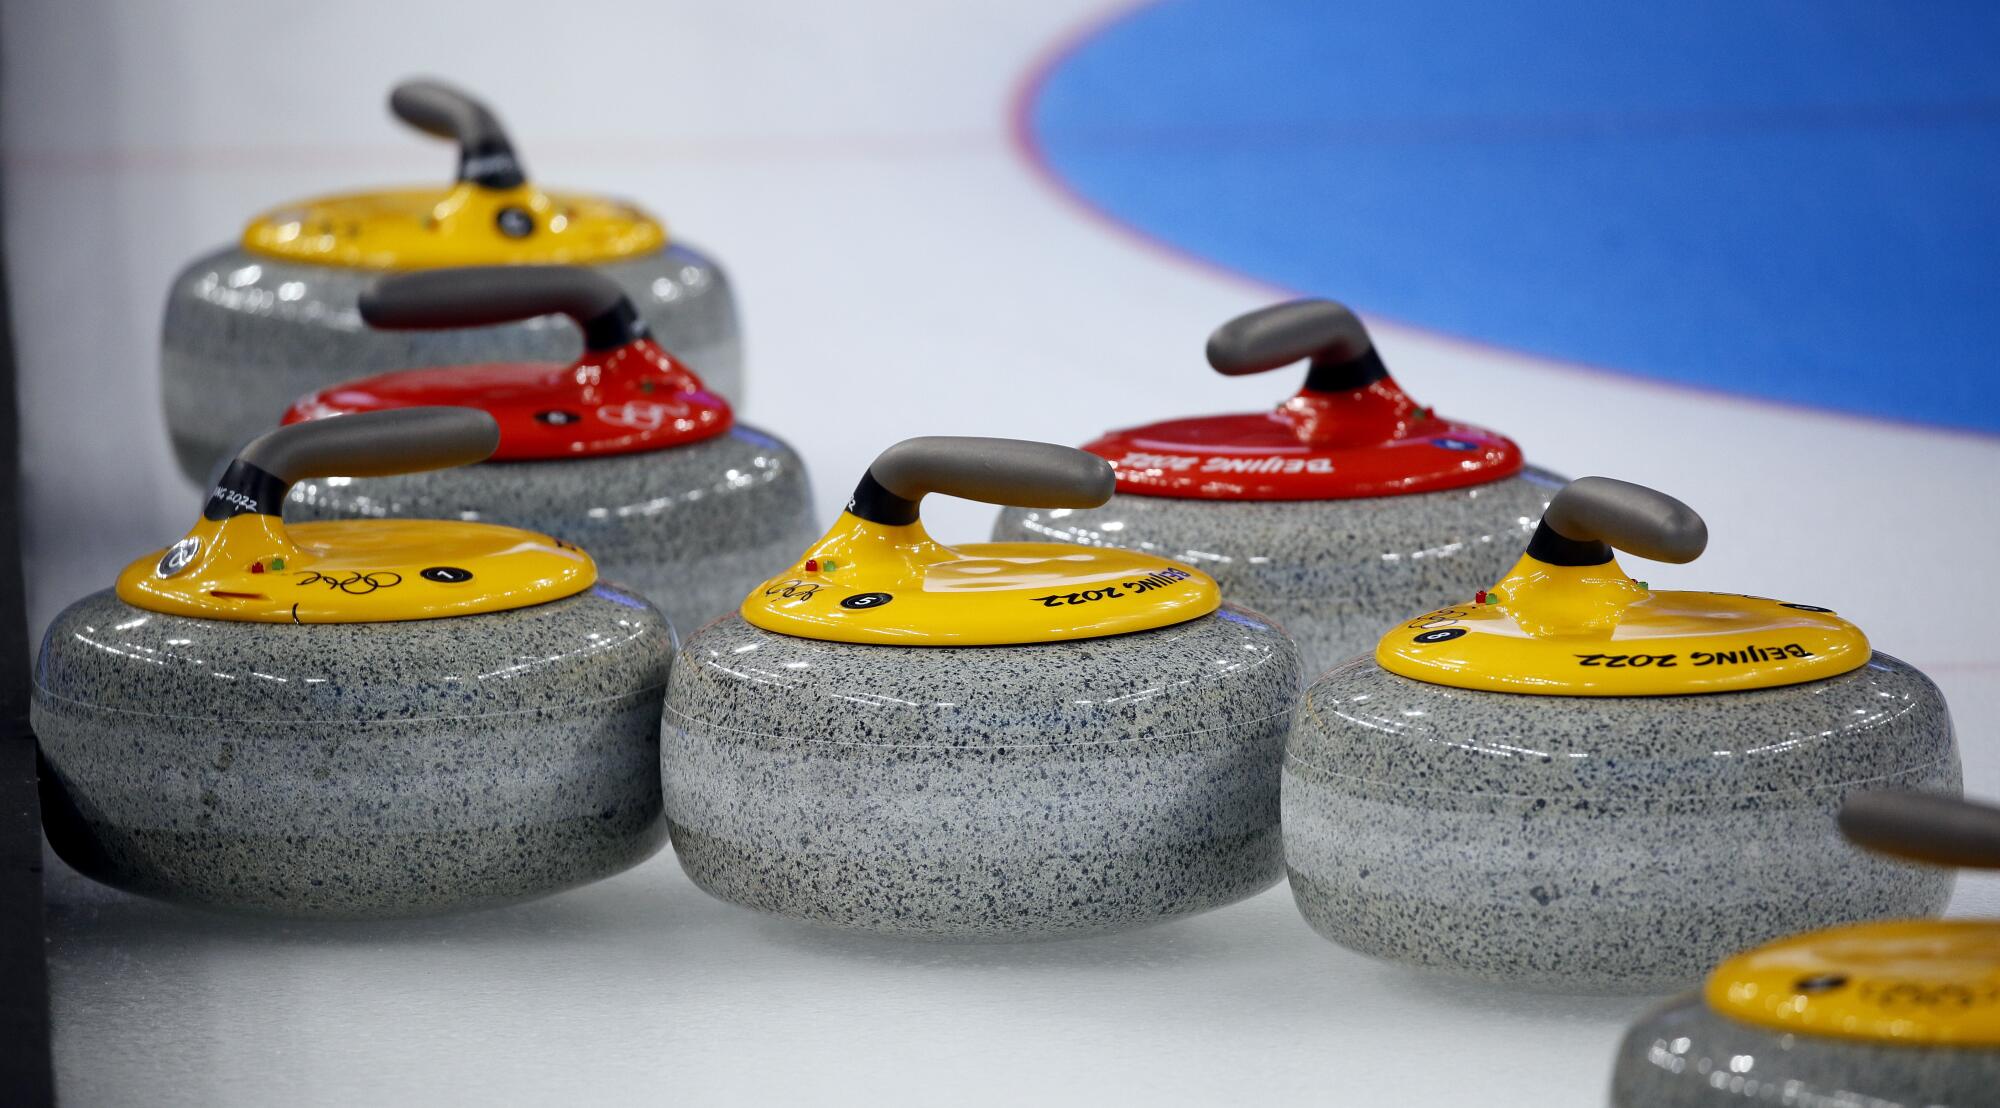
column 1345, row 509
column 352, row 719
column 257, row 324
column 1898, row 1014
column 989, row 742
column 622, row 452
column 1570, row 781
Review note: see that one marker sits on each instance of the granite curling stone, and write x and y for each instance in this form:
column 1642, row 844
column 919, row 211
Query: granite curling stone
column 352, row 719
column 1900, row 1014
column 257, row 324
column 1345, row 509
column 1571, row 781
column 1000, row 741
column 622, row 452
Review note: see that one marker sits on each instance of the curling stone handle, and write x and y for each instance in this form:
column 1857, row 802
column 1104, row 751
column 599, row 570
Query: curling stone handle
column 1591, row 515
column 485, row 155
column 1924, row 827
column 366, row 444
column 481, row 296
column 995, row 471
column 1343, row 356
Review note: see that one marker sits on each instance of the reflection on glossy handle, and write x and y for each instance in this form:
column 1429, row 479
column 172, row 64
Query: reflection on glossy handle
column 366, row 444
column 1924, row 827
column 485, row 155
column 481, row 296
column 375, row 444
column 1591, row 515
column 1343, row 356
column 995, row 471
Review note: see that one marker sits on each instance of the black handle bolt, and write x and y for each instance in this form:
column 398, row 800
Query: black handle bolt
column 485, row 155
column 1593, row 514
column 1343, row 356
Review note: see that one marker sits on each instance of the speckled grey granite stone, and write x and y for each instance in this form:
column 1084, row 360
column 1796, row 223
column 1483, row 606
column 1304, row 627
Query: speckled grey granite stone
column 1334, row 573
column 353, row 770
column 1686, row 1055
column 693, row 528
column 983, row 793
column 246, row 335
column 1620, row 844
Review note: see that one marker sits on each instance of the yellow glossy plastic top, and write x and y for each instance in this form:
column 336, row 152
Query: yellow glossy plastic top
column 253, row 568
column 1899, row 981
column 893, row 584
column 1594, row 631
column 464, row 224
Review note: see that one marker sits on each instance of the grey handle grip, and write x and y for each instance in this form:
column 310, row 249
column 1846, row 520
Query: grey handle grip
column 1924, row 827
column 365, row 444
column 995, row 471
column 481, row 296
column 375, row 444
column 485, row 154
column 1343, row 356
column 1593, row 514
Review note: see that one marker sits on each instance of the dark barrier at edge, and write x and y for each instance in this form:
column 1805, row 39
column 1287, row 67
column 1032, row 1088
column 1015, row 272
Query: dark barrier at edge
column 25, row 1075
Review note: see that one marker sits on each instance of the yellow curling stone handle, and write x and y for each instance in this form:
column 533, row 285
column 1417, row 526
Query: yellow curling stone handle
column 491, row 215
column 1920, row 982
column 879, row 577
column 1567, row 620
column 242, row 562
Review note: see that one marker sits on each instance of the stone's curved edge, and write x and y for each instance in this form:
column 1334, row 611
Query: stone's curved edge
column 1542, row 878
column 980, row 828
column 1667, row 1058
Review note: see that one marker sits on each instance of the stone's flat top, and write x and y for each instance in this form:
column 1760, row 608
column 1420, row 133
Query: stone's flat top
column 895, row 586
column 453, row 225
column 1921, row 982
column 1546, row 630
column 1364, row 442
column 636, row 398
column 251, row 569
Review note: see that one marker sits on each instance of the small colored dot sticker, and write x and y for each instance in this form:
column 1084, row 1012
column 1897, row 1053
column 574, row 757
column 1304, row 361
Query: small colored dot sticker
column 256, row 567
column 827, row 565
column 812, row 565
column 277, row 563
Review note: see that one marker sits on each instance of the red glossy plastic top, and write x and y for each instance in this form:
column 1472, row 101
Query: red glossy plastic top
column 633, row 398
column 1369, row 441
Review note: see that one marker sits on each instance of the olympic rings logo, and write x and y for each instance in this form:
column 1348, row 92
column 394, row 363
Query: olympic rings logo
column 355, row 583
column 794, row 590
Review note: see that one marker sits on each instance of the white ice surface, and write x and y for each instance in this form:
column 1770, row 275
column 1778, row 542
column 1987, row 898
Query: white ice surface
column 902, row 271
